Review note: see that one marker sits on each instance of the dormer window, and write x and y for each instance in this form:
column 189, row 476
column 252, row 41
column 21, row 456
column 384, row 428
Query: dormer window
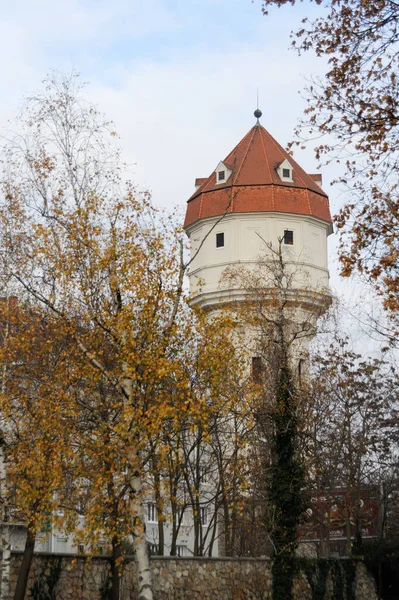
column 285, row 172
column 222, row 173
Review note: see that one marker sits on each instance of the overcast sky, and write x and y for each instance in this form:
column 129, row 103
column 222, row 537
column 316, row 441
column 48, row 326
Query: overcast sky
column 178, row 78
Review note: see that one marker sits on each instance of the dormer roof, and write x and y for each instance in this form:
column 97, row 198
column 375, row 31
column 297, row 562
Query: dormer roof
column 255, row 184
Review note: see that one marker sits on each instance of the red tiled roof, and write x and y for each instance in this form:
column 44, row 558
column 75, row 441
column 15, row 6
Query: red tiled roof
column 255, row 186
column 200, row 180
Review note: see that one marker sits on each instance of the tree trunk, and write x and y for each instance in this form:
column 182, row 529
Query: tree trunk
column 160, row 513
column 116, row 570
column 214, row 531
column 27, row 557
column 348, row 547
column 5, row 562
column 143, row 568
column 5, row 527
column 175, row 529
column 5, row 541
column 286, row 483
column 144, row 578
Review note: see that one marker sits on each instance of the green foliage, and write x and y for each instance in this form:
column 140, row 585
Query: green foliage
column 342, row 573
column 44, row 587
column 338, row 581
column 349, row 566
column 105, row 589
column 381, row 551
column 127, row 548
column 285, row 490
column 317, row 574
column 381, row 557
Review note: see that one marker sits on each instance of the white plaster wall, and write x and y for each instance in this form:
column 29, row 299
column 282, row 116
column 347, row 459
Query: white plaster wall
column 244, row 238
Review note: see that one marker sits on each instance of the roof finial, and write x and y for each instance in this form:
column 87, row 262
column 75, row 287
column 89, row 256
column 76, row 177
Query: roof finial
column 257, row 113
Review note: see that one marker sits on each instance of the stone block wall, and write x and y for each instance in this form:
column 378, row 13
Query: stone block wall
column 63, row 577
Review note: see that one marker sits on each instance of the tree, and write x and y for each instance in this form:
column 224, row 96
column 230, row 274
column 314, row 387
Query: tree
column 36, row 408
column 183, row 470
column 356, row 110
column 350, row 445
column 280, row 314
column 109, row 269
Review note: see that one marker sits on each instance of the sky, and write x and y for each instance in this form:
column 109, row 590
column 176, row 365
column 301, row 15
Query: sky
column 179, row 78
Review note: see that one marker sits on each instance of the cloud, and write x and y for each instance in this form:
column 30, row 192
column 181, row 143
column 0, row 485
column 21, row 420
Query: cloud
column 177, row 120
column 178, row 78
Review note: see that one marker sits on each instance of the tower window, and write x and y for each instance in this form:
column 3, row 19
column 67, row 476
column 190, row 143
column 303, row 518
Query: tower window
column 219, row 240
column 287, row 173
column 257, row 369
column 289, row 237
column 221, row 175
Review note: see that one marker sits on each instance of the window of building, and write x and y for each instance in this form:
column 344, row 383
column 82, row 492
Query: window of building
column 284, row 171
column 257, row 369
column 152, row 516
column 153, row 548
column 181, row 551
column 204, row 515
column 81, row 549
column 289, row 237
column 219, row 240
column 222, row 173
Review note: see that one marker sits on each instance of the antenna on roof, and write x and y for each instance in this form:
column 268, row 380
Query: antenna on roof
column 257, row 113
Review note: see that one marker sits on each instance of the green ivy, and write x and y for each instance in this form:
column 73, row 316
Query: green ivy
column 286, row 484
column 338, row 581
column 381, row 558
column 350, row 571
column 44, row 586
column 105, row 588
column 317, row 571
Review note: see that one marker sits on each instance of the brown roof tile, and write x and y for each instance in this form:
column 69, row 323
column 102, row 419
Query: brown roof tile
column 255, row 185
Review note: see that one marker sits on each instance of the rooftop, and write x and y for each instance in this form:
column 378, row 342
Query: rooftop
column 254, row 183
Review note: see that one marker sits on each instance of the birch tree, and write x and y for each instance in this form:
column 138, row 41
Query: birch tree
column 109, row 269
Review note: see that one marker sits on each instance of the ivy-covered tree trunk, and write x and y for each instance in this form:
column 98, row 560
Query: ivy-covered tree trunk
column 286, row 483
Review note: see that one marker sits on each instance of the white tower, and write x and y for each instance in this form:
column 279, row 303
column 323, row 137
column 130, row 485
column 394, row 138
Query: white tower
column 258, row 194
column 256, row 197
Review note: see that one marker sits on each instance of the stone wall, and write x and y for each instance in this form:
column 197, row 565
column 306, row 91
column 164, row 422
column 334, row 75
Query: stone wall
column 62, row 577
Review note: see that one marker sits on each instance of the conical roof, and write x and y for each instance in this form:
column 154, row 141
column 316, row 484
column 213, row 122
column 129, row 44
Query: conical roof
column 254, row 184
